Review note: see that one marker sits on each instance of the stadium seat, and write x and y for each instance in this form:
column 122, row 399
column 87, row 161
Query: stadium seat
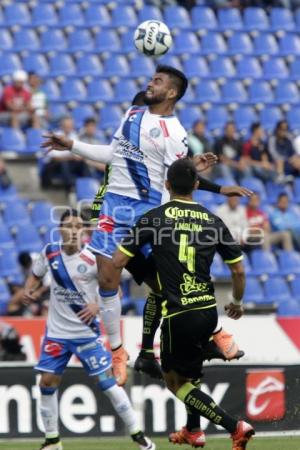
column 177, row 17
column 281, row 19
column 243, row 117
column 216, row 117
column 265, row 44
column 203, row 197
column 124, row 16
column 116, row 66
column 221, row 67
column 269, row 116
column 253, row 291
column 274, row 189
column 248, row 67
column 127, row 42
column 149, row 12
column 61, row 64
column 297, row 184
column 286, row 92
column 43, row 14
column 9, row 265
column 218, row 268
column 196, row 67
column 255, row 19
column 52, row 235
column 80, row 41
column 35, row 62
column 8, row 64
column 289, row 308
column 72, row 90
column 239, row 43
column 80, row 113
column 213, row 44
column 233, row 92
column 207, row 91
column 274, row 69
column 276, row 290
column 293, row 118
column 99, row 91
column 25, row 39
column 70, row 15
column 16, row 214
column 97, row 16
column 260, row 92
column 289, row 45
column 203, row 18
column 107, row 41
column 139, row 304
column 171, row 60
column 12, row 140
column 255, row 185
column 229, row 19
column 297, row 19
column 124, row 91
column 295, row 69
column 53, row 40
column 185, row 42
column 110, row 118
column 52, row 91
column 56, row 112
column 86, row 188
column 6, row 41
column 289, row 262
column 141, row 66
column 88, row 65
column 6, row 240
column 263, row 263
column 16, row 14
column 34, row 139
column 189, row 115
column 9, row 193
column 28, row 239
column 5, row 296
column 295, row 288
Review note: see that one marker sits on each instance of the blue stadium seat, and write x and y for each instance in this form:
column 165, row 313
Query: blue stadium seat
column 295, row 288
column 286, row 92
column 213, row 43
column 255, row 185
column 99, row 90
column 185, row 42
column 229, row 19
column 72, row 90
column 207, row 91
column 260, row 92
column 34, row 139
column 81, row 113
column 86, row 188
column 139, row 304
column 263, row 263
column 248, row 67
column 61, row 64
column 16, row 14
column 255, row 19
column 253, row 291
column 203, row 197
column 6, row 240
column 289, row 44
column 149, row 12
column 43, row 14
column 56, row 112
column 294, row 69
column 8, row 194
column 26, row 39
column 276, row 290
column 88, row 65
column 239, row 43
column 111, row 117
column 16, row 214
column 127, row 42
column 141, row 66
column 80, row 41
column 12, row 140
column 5, row 296
column 233, row 92
column 269, row 116
column 52, row 91
column 97, row 16
column 177, row 17
column 221, row 67
column 203, row 18
column 9, row 265
column 6, row 41
column 243, row 117
column 53, row 40
column 281, row 19
column 70, row 14
column 52, row 235
column 189, row 96
column 28, row 239
column 265, row 44
column 289, row 263
column 116, row 66
column 171, row 60
column 274, row 69
column 293, row 118
column 274, row 189
column 297, row 19
column 218, row 268
column 124, row 16
column 196, row 67
column 216, row 117
column 297, row 181
column 35, row 62
column 289, row 308
column 124, row 91
column 9, row 63
column 189, row 115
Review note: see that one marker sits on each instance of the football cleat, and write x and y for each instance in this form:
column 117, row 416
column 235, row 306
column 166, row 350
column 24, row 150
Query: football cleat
column 242, row 435
column 147, row 363
column 226, row 345
column 211, row 351
column 119, row 363
column 143, row 441
column 52, row 444
column 183, row 436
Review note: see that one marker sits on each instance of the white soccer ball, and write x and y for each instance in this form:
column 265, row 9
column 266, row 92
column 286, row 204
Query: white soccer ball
column 153, row 38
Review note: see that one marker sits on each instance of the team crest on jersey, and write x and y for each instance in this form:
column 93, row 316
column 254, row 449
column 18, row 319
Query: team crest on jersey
column 81, row 268
column 155, row 132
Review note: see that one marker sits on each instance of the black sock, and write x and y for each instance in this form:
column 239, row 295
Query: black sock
column 203, row 404
column 151, row 320
column 193, row 420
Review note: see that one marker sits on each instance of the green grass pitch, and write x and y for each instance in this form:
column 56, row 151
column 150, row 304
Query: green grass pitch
column 267, row 443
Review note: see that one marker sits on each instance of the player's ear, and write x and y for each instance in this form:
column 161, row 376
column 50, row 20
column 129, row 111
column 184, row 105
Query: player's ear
column 172, row 94
column 168, row 186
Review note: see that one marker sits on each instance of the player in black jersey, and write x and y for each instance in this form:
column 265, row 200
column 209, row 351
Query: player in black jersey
column 185, row 237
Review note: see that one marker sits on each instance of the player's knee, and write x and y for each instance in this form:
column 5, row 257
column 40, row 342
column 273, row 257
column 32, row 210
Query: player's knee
column 48, row 384
column 106, row 380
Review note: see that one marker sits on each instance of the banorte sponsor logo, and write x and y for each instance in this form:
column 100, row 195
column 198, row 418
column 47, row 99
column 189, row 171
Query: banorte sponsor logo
column 265, row 391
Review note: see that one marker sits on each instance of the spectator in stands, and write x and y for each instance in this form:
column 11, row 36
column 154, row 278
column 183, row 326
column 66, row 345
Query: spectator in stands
column 259, row 229
column 229, row 151
column 198, row 142
column 284, row 218
column 89, row 135
column 38, row 100
column 15, row 103
column 257, row 154
column 283, row 153
column 5, row 180
column 10, row 347
column 235, row 217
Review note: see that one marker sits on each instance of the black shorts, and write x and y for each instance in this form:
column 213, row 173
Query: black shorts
column 182, row 339
column 142, row 268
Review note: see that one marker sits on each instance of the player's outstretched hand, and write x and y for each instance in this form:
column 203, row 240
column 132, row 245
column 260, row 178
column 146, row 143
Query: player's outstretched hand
column 234, row 311
column 28, row 296
column 88, row 313
column 56, row 142
column 203, row 162
column 239, row 191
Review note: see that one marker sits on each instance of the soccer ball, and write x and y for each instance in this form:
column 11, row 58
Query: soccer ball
column 153, row 38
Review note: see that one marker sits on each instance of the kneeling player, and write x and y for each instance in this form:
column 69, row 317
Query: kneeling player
column 73, row 328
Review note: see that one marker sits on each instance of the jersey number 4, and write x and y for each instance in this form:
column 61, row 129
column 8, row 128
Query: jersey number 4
column 187, row 253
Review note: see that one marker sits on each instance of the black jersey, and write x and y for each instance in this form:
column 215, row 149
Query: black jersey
column 98, row 200
column 184, row 237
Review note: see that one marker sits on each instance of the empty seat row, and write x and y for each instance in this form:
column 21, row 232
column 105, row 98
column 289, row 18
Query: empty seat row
column 276, row 290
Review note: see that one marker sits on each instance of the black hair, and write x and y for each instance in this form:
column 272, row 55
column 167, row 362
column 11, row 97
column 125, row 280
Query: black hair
column 182, row 176
column 178, row 78
column 89, row 120
column 139, row 99
column 25, row 259
column 70, row 212
column 279, row 123
column 254, row 126
column 282, row 194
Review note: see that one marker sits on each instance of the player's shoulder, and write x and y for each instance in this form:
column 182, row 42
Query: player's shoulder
column 173, row 122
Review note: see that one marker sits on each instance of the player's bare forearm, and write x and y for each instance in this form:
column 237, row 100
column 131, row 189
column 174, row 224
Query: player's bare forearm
column 32, row 284
column 238, row 280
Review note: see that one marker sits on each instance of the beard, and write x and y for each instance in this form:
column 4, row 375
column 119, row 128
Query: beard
column 154, row 100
